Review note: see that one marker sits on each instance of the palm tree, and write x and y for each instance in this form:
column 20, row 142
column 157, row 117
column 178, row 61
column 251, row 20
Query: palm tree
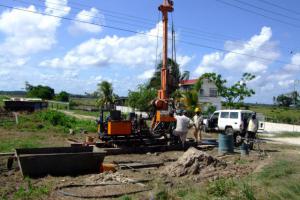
column 105, row 94
column 174, row 78
column 185, row 76
column 190, row 100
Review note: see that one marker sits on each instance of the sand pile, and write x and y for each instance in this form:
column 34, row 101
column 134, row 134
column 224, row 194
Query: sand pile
column 193, row 162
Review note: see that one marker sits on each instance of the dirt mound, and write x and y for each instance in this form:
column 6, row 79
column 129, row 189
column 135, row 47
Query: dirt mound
column 192, row 162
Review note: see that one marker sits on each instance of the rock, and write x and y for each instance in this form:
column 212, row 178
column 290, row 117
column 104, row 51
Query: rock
column 71, row 132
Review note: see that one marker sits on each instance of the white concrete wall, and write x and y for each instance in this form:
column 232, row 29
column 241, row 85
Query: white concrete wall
column 206, row 86
column 276, row 127
column 125, row 109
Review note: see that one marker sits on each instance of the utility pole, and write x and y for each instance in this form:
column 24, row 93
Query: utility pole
column 295, row 98
column 165, row 8
column 295, row 92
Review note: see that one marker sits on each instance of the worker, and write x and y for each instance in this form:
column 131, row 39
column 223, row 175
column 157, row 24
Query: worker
column 252, row 129
column 183, row 123
column 198, row 124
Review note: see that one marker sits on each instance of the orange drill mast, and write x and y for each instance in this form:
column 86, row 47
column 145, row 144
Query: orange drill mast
column 165, row 8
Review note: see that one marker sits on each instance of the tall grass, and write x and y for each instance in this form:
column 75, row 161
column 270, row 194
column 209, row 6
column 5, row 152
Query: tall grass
column 279, row 114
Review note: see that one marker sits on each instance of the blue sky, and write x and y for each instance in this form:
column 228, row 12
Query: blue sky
column 73, row 56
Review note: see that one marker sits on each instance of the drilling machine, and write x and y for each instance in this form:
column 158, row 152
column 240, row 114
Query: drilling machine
column 117, row 129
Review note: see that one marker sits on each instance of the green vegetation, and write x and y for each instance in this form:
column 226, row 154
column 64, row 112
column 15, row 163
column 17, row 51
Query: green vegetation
column 278, row 114
column 83, row 101
column 175, row 76
column 287, row 134
column 62, row 96
column 51, row 120
column 105, row 94
column 40, row 91
column 233, row 95
column 2, row 98
column 58, row 105
column 30, row 191
column 288, row 99
column 32, row 141
column 281, row 179
column 141, row 99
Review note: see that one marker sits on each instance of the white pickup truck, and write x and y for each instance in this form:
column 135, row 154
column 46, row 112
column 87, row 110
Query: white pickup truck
column 231, row 121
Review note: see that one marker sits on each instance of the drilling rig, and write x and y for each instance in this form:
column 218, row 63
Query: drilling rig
column 117, row 129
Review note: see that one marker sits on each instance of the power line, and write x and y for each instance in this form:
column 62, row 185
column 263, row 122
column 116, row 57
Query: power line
column 142, row 33
column 257, row 13
column 281, row 7
column 267, row 10
column 85, row 14
column 184, row 28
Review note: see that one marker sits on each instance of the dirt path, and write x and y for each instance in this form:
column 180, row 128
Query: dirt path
column 78, row 116
column 286, row 140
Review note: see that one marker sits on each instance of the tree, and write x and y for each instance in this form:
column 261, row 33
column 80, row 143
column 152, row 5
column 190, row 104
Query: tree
column 141, row 99
column 105, row 94
column 284, row 100
column 174, row 78
column 234, row 95
column 40, row 91
column 63, row 96
column 190, row 100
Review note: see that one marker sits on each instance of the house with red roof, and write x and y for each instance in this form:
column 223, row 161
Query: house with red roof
column 208, row 94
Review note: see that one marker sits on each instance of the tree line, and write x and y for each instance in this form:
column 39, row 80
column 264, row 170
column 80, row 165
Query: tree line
column 45, row 92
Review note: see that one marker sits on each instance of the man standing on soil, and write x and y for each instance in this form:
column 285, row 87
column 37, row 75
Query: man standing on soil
column 198, row 122
column 252, row 129
column 183, row 123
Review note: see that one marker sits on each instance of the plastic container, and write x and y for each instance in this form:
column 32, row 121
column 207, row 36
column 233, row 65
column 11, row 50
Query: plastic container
column 225, row 143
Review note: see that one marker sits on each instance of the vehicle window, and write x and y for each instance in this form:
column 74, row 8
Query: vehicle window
column 215, row 116
column 224, row 114
column 234, row 115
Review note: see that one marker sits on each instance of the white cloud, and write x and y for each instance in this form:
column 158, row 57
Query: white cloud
column 295, row 63
column 91, row 16
column 147, row 74
column 183, row 61
column 26, row 32
column 57, row 7
column 258, row 46
column 132, row 51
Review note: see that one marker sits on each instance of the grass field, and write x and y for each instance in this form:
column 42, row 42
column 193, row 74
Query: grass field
column 279, row 114
column 41, row 125
column 275, row 177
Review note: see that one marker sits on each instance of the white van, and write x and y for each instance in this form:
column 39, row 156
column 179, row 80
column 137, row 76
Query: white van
column 229, row 121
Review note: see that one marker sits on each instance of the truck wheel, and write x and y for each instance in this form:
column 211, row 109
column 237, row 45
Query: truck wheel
column 229, row 131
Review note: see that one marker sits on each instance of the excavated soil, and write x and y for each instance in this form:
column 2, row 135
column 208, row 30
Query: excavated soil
column 192, row 162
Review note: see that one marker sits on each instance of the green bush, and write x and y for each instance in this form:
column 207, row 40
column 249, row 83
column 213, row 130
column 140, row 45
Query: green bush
column 57, row 118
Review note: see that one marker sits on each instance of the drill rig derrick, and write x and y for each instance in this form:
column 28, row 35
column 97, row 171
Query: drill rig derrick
column 163, row 119
column 117, row 129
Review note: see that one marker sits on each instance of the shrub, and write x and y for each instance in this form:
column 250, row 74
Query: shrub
column 57, row 118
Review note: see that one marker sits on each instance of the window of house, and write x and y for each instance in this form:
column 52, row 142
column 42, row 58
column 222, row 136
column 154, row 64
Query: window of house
column 234, row 115
column 201, row 92
column 224, row 114
column 213, row 92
